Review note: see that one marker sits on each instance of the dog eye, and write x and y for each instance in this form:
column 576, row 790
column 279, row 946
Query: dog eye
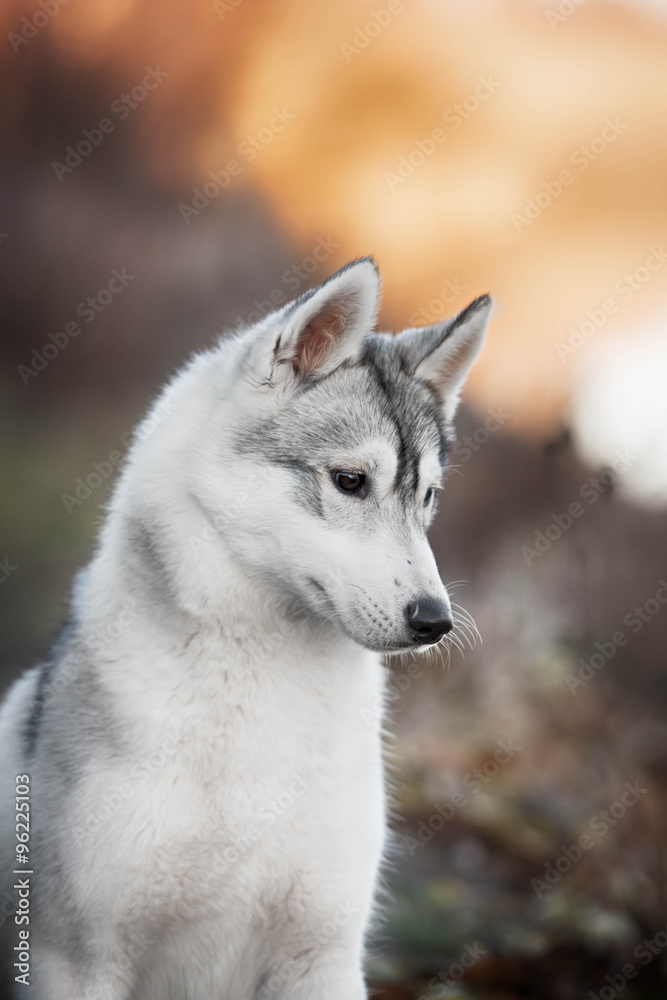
column 350, row 482
column 430, row 494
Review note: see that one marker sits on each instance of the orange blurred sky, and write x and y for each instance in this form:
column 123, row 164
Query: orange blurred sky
column 418, row 131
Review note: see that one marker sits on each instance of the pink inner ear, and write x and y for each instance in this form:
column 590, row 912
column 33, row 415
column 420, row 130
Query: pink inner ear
column 319, row 337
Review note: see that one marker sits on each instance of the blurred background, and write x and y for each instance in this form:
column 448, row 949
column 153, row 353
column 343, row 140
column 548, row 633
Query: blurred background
column 172, row 169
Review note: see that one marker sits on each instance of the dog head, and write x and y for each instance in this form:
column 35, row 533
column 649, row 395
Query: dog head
column 337, row 439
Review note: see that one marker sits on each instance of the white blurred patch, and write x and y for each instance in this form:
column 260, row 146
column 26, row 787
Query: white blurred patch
column 620, row 402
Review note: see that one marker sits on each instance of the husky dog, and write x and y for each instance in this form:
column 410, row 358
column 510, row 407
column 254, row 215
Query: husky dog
column 203, row 747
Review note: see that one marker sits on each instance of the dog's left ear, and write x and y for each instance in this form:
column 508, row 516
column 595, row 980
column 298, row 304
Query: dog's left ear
column 442, row 355
column 323, row 328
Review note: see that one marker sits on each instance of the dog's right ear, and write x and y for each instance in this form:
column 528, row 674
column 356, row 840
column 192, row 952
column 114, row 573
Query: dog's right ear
column 322, row 329
column 442, row 355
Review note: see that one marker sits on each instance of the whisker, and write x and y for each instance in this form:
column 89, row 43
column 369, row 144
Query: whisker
column 463, row 610
column 466, row 633
column 454, row 640
column 440, row 649
column 470, row 620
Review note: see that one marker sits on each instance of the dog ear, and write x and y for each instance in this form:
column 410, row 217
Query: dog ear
column 442, row 355
column 326, row 326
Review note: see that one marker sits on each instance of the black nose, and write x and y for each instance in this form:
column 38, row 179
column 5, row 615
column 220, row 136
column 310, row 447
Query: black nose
column 428, row 620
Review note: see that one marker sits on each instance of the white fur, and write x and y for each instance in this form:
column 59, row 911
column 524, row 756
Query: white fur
column 221, row 840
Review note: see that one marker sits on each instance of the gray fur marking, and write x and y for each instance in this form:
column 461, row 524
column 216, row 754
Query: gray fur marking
column 375, row 397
